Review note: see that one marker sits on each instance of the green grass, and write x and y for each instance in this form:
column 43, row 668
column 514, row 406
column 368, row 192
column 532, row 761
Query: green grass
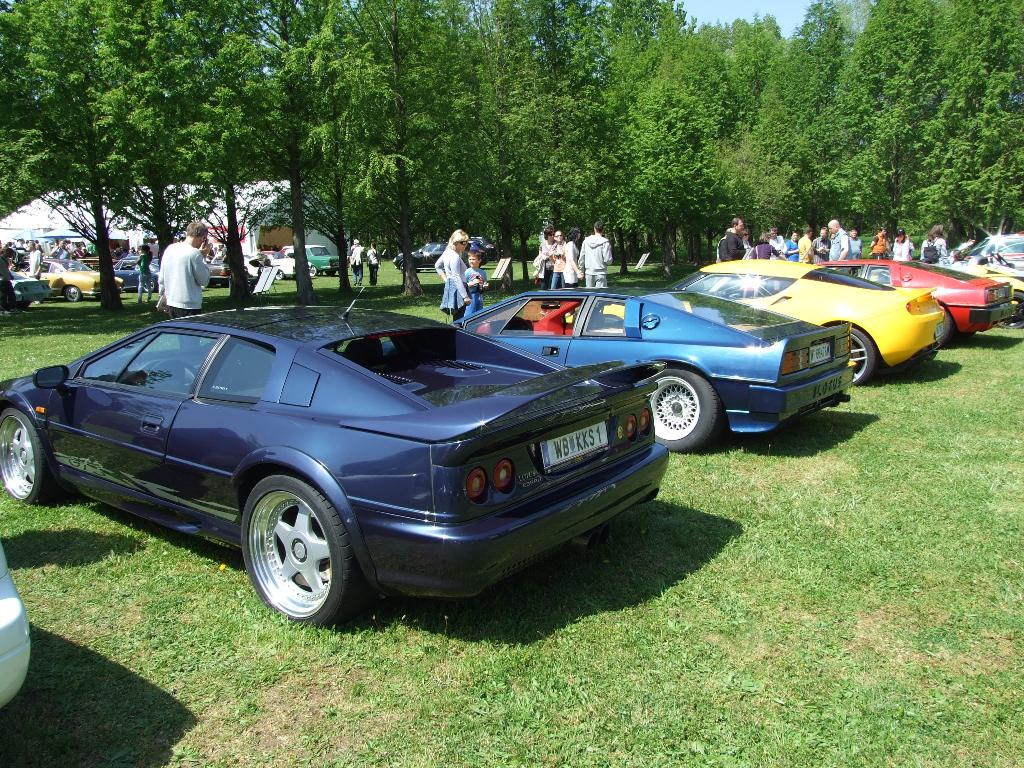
column 846, row 591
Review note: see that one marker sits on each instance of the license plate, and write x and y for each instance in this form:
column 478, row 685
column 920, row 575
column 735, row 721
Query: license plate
column 579, row 443
column 820, row 352
column 827, row 387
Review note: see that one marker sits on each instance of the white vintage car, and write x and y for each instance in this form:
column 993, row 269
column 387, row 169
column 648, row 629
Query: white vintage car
column 14, row 639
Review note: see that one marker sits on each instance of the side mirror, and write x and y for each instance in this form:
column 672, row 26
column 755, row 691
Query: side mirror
column 51, row 377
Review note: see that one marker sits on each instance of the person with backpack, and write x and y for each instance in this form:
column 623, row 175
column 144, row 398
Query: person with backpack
column 731, row 247
column 595, row 256
column 933, row 249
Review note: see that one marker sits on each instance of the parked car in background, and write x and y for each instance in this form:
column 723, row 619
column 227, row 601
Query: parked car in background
column 424, row 258
column 72, row 279
column 28, row 289
column 1008, row 248
column 996, row 268
column 320, row 261
column 220, row 271
column 15, row 643
column 127, row 269
column 490, row 250
column 728, row 365
column 348, row 455
column 970, row 303
column 890, row 327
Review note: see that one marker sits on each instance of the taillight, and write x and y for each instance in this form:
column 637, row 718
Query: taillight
column 795, row 360
column 997, row 294
column 476, row 485
column 842, row 346
column 922, row 305
column 504, row 476
column 631, row 427
column 644, row 422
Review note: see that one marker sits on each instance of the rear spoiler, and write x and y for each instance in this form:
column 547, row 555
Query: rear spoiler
column 525, row 404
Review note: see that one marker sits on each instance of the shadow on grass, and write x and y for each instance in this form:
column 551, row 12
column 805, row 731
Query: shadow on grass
column 929, row 370
column 650, row 550
column 989, row 340
column 804, row 437
column 78, row 708
column 34, row 549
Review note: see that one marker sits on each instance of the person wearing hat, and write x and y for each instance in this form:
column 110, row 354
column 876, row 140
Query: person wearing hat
column 355, row 259
column 902, row 246
column 475, row 279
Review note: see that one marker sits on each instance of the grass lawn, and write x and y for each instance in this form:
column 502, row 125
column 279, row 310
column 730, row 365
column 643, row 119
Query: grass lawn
column 847, row 591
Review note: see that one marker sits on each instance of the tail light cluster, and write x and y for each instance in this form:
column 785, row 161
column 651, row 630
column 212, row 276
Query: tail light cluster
column 796, row 360
column 842, row 347
column 922, row 305
column 502, row 478
column 1000, row 293
column 637, row 426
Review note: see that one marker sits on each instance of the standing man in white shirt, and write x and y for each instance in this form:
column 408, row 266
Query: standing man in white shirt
column 184, row 273
column 35, row 259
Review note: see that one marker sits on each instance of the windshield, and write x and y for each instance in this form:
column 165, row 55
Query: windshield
column 76, row 266
column 724, row 312
column 732, row 286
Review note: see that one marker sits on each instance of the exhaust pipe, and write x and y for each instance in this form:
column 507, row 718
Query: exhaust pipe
column 593, row 538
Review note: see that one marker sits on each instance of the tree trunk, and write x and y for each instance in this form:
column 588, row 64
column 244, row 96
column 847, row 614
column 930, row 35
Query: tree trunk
column 161, row 222
column 620, row 244
column 668, row 247
column 523, row 251
column 303, row 282
column 110, row 293
column 236, row 263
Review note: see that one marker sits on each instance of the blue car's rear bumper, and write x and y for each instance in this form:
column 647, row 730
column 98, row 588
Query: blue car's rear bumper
column 765, row 406
column 419, row 558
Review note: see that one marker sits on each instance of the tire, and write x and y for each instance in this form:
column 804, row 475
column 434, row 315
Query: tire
column 23, row 469
column 687, row 411
column 948, row 328
column 23, row 305
column 1016, row 320
column 288, row 525
column 864, row 355
column 72, row 293
column 312, row 271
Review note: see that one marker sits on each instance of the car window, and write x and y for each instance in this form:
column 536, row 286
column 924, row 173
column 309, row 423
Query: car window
column 607, row 318
column 876, row 274
column 169, row 363
column 55, row 268
column 727, row 286
column 239, row 372
column 110, row 366
column 317, row 250
column 544, row 317
column 493, row 322
column 844, row 276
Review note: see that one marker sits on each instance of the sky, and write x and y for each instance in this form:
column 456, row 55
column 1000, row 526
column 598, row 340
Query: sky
column 789, row 13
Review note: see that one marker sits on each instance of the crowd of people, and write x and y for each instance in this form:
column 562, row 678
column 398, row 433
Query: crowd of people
column 833, row 243
column 563, row 262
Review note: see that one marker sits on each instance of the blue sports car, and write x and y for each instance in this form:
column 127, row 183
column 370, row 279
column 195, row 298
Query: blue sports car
column 727, row 362
column 347, row 456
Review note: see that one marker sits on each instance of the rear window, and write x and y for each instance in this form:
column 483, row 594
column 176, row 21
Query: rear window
column 944, row 271
column 723, row 312
column 833, row 276
column 317, row 250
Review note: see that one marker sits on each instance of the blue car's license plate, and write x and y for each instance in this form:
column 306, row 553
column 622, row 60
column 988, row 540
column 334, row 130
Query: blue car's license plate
column 574, row 445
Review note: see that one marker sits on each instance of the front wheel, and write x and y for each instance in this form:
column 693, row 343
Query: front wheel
column 297, row 553
column 864, row 355
column 312, row 271
column 72, row 293
column 688, row 413
column 23, row 467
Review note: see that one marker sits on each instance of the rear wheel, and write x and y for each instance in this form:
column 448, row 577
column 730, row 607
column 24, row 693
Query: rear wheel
column 72, row 293
column 864, row 355
column 948, row 327
column 687, row 411
column 297, row 553
column 1016, row 320
column 23, row 467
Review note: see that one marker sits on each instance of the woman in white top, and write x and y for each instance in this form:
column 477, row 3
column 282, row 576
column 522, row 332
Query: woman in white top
column 902, row 246
column 572, row 273
column 451, row 268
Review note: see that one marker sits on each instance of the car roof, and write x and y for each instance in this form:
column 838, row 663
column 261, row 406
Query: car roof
column 307, row 325
column 772, row 267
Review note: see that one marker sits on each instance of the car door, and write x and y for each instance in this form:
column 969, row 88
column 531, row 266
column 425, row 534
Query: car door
column 111, row 421
column 216, row 429
column 605, row 332
column 542, row 325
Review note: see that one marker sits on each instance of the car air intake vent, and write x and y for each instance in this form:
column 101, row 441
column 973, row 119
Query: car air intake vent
column 395, row 378
column 457, row 364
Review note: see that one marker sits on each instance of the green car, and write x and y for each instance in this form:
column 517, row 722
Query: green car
column 318, row 258
column 27, row 290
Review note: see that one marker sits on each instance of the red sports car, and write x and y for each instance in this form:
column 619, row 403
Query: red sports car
column 971, row 303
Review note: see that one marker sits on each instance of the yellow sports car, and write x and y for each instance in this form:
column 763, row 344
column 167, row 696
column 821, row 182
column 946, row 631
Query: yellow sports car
column 890, row 327
column 73, row 279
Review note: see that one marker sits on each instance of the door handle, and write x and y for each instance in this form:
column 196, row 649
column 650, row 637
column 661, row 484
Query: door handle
column 549, row 350
column 151, row 423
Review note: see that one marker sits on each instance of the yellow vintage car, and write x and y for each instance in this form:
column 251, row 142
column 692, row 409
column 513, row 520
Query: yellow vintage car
column 890, row 327
column 72, row 279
